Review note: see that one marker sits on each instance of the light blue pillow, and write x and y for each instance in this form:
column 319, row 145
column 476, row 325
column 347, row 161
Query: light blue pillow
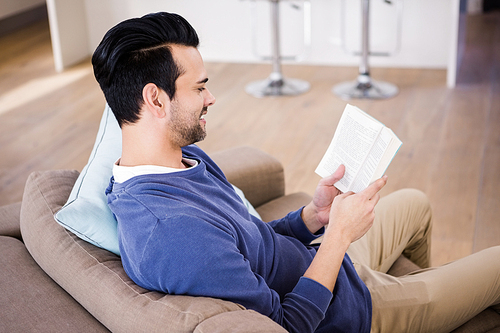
column 86, row 213
column 249, row 206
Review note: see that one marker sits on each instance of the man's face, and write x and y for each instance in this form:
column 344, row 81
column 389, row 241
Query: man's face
column 192, row 98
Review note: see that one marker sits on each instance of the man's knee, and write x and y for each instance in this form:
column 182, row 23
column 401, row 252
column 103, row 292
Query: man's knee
column 415, row 214
column 414, row 195
column 416, row 201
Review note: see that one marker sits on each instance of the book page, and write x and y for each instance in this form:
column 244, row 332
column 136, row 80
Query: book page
column 364, row 177
column 351, row 144
column 390, row 152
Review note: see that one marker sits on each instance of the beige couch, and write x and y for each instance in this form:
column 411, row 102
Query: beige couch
column 52, row 281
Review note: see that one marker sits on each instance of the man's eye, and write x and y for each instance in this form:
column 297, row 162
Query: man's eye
column 201, row 89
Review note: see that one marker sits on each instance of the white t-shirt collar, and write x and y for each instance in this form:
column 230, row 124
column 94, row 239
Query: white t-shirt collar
column 123, row 173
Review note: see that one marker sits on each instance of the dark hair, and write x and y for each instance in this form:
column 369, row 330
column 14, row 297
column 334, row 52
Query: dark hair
column 136, row 52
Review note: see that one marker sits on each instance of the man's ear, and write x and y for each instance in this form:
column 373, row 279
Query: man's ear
column 154, row 100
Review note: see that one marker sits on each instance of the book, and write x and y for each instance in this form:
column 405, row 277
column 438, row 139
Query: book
column 363, row 145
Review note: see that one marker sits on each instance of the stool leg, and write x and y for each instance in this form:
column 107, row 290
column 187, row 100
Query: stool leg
column 276, row 84
column 364, row 86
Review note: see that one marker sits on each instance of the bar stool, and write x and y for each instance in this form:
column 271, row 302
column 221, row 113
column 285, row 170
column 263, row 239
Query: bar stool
column 276, row 84
column 365, row 87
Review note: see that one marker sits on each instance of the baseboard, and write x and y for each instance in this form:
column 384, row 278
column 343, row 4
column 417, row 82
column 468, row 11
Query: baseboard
column 20, row 20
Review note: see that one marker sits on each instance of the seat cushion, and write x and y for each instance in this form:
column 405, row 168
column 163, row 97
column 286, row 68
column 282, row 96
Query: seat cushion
column 488, row 321
column 281, row 206
column 9, row 220
column 31, row 301
column 95, row 277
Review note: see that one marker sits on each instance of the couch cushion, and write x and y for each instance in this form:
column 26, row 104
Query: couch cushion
column 240, row 321
column 487, row 321
column 9, row 220
column 31, row 301
column 259, row 175
column 95, row 277
column 402, row 266
column 278, row 208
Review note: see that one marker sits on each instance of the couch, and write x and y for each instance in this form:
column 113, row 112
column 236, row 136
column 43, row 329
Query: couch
column 53, row 281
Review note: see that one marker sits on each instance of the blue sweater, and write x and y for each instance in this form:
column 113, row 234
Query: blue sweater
column 188, row 233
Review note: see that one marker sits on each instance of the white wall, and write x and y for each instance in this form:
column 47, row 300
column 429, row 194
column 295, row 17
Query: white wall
column 12, row 7
column 68, row 32
column 225, row 27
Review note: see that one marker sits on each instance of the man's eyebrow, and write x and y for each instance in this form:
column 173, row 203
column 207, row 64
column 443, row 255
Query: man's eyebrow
column 205, row 80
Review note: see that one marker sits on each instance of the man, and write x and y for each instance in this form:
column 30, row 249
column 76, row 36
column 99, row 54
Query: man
column 183, row 230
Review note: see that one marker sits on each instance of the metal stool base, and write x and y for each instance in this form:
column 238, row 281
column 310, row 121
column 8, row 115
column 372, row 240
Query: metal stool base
column 281, row 87
column 369, row 90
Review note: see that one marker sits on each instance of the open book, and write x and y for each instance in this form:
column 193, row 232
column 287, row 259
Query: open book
column 363, row 145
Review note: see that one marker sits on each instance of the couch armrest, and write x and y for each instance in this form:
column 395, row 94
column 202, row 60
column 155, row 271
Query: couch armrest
column 259, row 175
column 9, row 220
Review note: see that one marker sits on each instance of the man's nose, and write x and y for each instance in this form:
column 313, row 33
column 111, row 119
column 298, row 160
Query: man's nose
column 209, row 99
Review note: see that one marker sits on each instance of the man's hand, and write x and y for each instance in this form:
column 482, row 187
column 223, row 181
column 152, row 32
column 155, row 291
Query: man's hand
column 352, row 215
column 316, row 214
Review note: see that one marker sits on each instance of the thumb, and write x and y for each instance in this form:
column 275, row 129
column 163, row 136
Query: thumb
column 334, row 177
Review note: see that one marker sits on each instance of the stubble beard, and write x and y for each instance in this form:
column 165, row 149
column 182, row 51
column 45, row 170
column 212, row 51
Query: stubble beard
column 187, row 131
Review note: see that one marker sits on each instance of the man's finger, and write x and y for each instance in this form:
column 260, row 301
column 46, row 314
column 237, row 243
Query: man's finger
column 375, row 187
column 375, row 198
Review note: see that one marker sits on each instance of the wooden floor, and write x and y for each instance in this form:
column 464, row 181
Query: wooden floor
column 451, row 137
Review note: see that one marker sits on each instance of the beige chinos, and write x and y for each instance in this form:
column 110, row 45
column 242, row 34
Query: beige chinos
column 429, row 300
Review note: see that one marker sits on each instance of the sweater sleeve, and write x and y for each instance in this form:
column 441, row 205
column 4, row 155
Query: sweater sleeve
column 188, row 256
column 292, row 225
